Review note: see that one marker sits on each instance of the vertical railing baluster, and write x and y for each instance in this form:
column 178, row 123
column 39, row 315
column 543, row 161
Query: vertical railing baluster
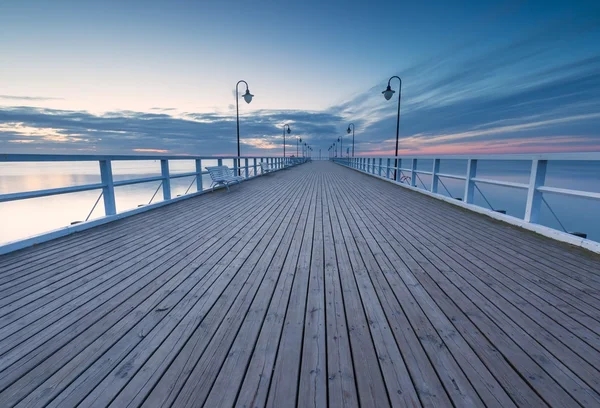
column 434, row 175
column 236, row 169
column 166, row 183
column 108, row 190
column 469, row 183
column 413, row 173
column 380, row 164
column 537, row 178
column 387, row 173
column 198, row 175
column 398, row 171
column 254, row 166
column 220, row 162
column 246, row 166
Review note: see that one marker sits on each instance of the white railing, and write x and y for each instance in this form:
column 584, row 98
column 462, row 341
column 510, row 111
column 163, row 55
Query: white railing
column 248, row 167
column 405, row 170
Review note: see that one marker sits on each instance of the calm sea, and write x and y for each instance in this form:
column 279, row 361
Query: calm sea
column 21, row 219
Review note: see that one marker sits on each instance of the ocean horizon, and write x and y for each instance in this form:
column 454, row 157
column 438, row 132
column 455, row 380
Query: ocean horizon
column 25, row 218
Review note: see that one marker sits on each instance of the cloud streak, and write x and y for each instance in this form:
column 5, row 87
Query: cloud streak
column 514, row 97
column 28, row 98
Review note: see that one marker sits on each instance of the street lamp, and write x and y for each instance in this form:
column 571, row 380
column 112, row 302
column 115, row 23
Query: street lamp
column 248, row 98
column 289, row 131
column 298, row 141
column 340, row 140
column 348, row 130
column 387, row 94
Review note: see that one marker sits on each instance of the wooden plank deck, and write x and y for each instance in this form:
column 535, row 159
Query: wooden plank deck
column 313, row 286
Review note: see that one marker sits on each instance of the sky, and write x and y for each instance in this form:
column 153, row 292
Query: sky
column 128, row 76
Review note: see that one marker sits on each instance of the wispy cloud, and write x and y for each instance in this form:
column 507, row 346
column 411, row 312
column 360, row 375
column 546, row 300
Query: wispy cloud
column 510, row 97
column 28, row 98
column 189, row 133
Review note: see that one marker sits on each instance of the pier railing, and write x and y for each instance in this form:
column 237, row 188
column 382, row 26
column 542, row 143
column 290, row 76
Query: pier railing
column 248, row 167
column 407, row 171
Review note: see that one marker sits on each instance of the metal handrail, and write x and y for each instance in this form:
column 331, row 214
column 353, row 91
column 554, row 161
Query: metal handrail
column 108, row 182
column 535, row 188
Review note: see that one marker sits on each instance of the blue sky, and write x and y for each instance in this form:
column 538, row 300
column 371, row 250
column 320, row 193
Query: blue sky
column 125, row 76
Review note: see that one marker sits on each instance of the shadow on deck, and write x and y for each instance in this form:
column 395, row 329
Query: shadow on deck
column 312, row 286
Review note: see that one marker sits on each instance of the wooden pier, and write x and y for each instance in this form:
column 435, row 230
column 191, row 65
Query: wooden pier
column 312, row 286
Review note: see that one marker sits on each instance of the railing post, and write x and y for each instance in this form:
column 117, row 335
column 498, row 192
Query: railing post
column 387, row 173
column 398, row 164
column 413, row 173
column 199, row 175
column 166, row 184
column 108, row 191
column 255, row 166
column 537, row 179
column 235, row 167
column 434, row 175
column 220, row 162
column 246, row 166
column 469, row 183
column 380, row 162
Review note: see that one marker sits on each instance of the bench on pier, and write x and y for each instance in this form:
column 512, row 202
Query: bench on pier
column 266, row 168
column 222, row 175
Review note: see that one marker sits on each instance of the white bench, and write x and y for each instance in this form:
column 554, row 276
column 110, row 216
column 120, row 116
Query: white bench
column 266, row 168
column 222, row 175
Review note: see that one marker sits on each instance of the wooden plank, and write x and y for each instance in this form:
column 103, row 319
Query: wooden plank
column 93, row 296
column 80, row 240
column 398, row 382
column 312, row 388
column 450, row 289
column 51, row 292
column 255, row 386
column 514, row 269
column 371, row 388
column 245, row 347
column 47, row 364
column 286, row 374
column 326, row 293
column 123, row 229
column 171, row 383
column 459, row 387
column 203, row 368
column 340, row 370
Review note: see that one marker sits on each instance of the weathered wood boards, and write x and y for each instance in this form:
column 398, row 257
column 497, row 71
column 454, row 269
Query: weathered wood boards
column 319, row 286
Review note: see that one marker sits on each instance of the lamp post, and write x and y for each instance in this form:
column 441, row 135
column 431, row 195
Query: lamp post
column 387, row 94
column 334, row 150
column 248, row 98
column 298, row 141
column 348, row 130
column 289, row 131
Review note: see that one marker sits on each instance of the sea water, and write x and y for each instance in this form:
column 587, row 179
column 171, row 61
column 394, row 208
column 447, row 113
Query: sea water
column 25, row 218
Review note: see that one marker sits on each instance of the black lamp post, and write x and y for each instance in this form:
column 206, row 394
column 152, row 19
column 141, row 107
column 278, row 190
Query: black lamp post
column 248, row 98
column 289, row 131
column 348, row 130
column 387, row 94
column 298, row 141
